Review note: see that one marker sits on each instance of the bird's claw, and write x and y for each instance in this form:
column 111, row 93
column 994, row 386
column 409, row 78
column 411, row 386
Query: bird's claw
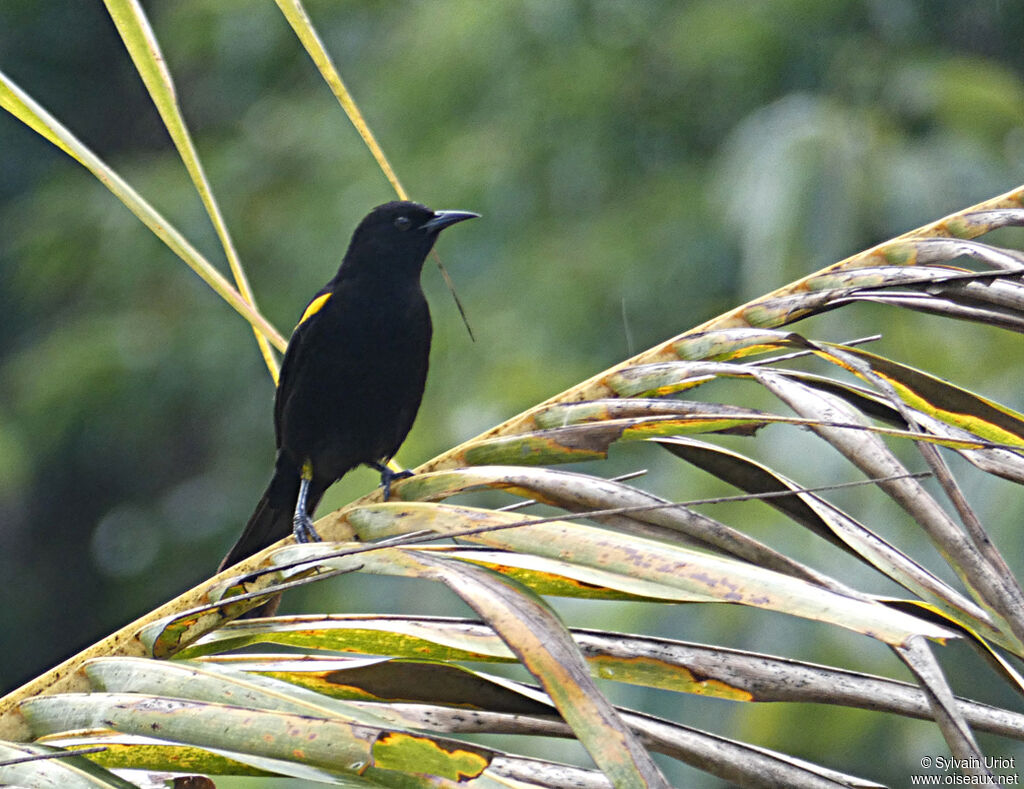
column 302, row 528
column 387, row 476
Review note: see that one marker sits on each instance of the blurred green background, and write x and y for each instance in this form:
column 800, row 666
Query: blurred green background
column 641, row 167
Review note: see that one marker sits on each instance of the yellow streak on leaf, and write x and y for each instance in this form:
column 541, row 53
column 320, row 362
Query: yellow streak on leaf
column 408, row 753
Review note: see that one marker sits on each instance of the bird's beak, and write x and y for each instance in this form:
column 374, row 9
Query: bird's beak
column 443, row 219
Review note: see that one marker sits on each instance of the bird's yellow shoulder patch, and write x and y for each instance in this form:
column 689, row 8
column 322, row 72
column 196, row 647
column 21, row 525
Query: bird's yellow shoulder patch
column 314, row 307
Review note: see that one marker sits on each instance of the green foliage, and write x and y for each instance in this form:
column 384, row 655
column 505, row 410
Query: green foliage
column 640, row 168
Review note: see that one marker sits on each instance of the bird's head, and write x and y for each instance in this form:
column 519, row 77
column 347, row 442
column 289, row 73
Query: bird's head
column 399, row 234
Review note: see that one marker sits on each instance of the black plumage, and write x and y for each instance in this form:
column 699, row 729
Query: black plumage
column 353, row 374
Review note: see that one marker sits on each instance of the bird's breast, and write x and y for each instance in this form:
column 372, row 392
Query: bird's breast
column 356, row 391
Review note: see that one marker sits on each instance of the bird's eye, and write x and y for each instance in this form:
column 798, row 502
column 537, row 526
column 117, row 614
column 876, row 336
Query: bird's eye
column 403, row 223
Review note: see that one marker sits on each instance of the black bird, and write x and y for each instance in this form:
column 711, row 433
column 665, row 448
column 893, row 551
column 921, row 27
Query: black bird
column 353, row 374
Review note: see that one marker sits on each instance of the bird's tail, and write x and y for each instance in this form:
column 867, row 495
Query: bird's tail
column 268, row 524
column 272, row 519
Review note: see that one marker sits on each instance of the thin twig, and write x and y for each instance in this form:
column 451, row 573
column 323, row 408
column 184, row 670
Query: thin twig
column 519, row 505
column 38, row 757
column 785, row 357
column 419, row 536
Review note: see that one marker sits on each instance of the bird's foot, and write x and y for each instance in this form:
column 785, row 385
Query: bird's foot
column 302, row 528
column 387, row 476
column 302, row 524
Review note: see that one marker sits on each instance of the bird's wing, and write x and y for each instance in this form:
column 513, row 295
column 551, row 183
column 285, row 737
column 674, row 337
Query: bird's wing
column 293, row 354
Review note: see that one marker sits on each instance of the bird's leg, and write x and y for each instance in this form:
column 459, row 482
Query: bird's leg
column 387, row 476
column 302, row 524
